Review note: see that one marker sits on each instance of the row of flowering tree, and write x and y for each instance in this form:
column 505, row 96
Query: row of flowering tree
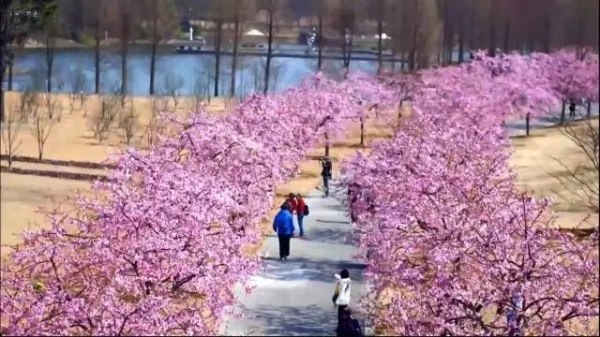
column 158, row 247
column 453, row 248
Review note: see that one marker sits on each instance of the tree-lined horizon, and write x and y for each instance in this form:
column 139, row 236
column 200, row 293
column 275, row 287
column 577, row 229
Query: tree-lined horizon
column 423, row 32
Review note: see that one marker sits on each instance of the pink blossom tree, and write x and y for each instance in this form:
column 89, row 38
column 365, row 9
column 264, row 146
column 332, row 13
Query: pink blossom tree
column 452, row 247
column 159, row 247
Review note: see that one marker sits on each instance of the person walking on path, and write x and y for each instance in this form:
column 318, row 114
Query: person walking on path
column 349, row 326
column 341, row 297
column 572, row 107
column 283, row 224
column 353, row 194
column 292, row 202
column 326, row 168
column 301, row 211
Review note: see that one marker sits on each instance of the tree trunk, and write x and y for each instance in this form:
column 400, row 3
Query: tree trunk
column 3, row 47
column 450, row 45
column 326, row 144
column 527, row 122
column 492, row 28
column 347, row 51
column 588, row 109
column 11, row 62
column 507, row 33
column 362, row 132
column 461, row 33
column 320, row 43
column 413, row 50
column 269, row 48
column 49, row 62
column 446, row 44
column 124, row 46
column 97, row 66
column 235, row 48
column 562, row 112
column 547, row 32
column 124, row 52
column 155, row 41
column 471, row 30
column 153, row 66
column 380, row 46
column 218, row 56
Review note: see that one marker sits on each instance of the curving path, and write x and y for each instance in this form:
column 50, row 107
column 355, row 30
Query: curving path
column 293, row 298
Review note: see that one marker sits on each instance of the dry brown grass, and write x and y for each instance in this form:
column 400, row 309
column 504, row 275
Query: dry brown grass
column 534, row 159
column 70, row 139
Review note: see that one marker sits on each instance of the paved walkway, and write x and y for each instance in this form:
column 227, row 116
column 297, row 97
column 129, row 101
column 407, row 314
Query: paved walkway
column 293, row 298
column 518, row 127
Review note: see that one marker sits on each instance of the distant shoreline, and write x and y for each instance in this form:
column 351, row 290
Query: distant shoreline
column 62, row 44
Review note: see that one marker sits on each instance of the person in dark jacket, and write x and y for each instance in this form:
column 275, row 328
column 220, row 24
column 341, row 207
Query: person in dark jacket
column 283, row 225
column 326, row 169
column 353, row 193
column 348, row 325
column 572, row 107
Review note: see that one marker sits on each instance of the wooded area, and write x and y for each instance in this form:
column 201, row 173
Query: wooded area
column 421, row 32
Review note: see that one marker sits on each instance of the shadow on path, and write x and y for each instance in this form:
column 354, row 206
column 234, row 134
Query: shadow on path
column 312, row 320
column 300, row 268
column 330, row 221
column 328, row 235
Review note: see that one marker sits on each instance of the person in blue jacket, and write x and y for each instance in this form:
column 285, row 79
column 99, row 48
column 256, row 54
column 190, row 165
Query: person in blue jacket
column 284, row 226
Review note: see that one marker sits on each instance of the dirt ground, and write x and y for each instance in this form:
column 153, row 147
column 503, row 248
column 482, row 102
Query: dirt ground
column 543, row 161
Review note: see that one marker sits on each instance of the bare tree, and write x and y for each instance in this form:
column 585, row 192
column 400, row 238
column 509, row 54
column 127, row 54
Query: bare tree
column 96, row 9
column 269, row 47
column 10, row 136
column 345, row 22
column 51, row 26
column 163, row 18
column 218, row 12
column 172, row 85
column 581, row 178
column 155, row 126
column 127, row 23
column 461, row 31
column 102, row 118
column 257, row 68
column 53, row 107
column 242, row 10
column 380, row 9
column 321, row 8
column 15, row 27
column 77, row 89
column 41, row 129
column 200, row 92
column 128, row 124
column 28, row 105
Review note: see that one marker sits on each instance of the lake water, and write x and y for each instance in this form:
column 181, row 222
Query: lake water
column 185, row 74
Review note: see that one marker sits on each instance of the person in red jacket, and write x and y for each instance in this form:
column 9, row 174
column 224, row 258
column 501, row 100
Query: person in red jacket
column 300, row 210
column 292, row 203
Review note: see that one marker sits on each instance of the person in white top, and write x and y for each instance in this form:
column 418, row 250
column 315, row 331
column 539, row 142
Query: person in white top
column 343, row 289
